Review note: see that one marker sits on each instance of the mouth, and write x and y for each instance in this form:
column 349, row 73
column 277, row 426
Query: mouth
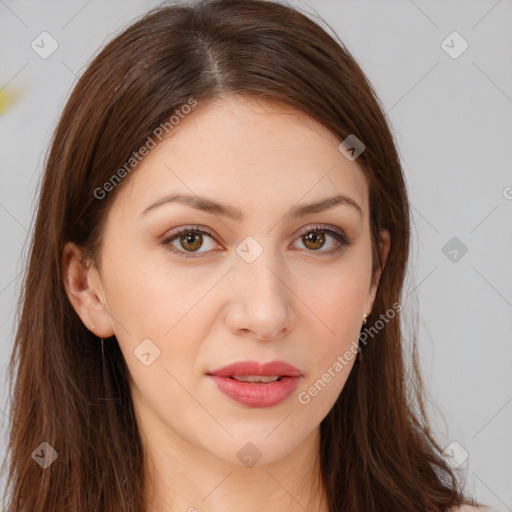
column 256, row 379
column 253, row 384
column 254, row 371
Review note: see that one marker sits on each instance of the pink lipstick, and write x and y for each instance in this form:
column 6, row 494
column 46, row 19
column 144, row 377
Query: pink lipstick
column 257, row 385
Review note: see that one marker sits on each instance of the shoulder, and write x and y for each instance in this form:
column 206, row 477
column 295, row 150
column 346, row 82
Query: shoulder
column 471, row 508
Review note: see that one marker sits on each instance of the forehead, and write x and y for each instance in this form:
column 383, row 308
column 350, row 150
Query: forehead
column 246, row 152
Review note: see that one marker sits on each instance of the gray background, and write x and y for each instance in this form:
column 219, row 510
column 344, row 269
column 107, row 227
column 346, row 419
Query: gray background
column 452, row 120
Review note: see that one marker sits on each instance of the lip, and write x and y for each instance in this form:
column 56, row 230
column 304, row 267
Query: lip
column 261, row 394
column 242, row 368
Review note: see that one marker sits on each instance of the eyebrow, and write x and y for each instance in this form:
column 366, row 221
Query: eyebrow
column 208, row 205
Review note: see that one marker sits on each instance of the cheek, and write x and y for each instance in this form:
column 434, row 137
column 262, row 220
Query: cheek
column 156, row 314
column 337, row 295
column 154, row 310
column 332, row 358
column 336, row 305
column 147, row 294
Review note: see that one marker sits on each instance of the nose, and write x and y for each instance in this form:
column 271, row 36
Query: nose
column 262, row 304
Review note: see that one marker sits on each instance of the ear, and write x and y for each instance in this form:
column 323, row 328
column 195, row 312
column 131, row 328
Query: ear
column 85, row 292
column 384, row 245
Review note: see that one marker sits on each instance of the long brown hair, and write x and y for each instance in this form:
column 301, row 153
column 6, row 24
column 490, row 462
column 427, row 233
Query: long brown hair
column 378, row 452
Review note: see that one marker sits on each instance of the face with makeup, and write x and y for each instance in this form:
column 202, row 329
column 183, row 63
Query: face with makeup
column 225, row 245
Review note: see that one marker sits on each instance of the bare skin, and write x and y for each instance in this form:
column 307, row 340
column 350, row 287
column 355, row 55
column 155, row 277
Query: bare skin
column 298, row 301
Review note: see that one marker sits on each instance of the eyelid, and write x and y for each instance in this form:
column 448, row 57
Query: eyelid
column 321, row 227
column 192, row 227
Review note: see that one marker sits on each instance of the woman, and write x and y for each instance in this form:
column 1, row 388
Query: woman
column 211, row 310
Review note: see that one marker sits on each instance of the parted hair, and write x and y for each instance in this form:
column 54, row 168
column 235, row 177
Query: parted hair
column 378, row 451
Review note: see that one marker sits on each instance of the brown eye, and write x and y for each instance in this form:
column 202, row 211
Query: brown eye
column 191, row 241
column 314, row 240
column 187, row 242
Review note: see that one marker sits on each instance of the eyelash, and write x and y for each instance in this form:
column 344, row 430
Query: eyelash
column 343, row 240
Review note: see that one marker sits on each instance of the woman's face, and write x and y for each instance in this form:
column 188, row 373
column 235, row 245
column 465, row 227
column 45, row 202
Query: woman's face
column 251, row 282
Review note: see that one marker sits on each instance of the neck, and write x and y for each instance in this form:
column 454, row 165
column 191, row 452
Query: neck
column 186, row 477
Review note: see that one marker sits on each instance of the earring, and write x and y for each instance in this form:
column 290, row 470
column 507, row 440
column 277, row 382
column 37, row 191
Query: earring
column 360, row 352
column 102, row 353
column 103, row 365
